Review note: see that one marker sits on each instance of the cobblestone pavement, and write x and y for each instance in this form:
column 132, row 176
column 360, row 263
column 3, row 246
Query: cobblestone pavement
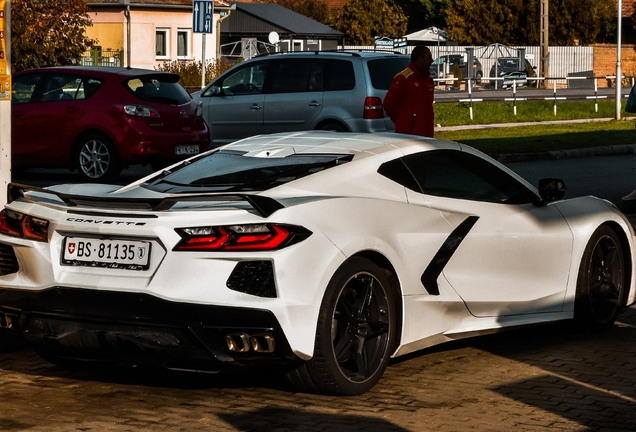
column 550, row 377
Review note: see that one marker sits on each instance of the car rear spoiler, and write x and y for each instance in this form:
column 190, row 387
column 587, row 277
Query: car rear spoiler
column 265, row 206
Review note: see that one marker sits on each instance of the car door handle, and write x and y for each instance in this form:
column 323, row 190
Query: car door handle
column 71, row 109
column 314, row 104
column 255, row 107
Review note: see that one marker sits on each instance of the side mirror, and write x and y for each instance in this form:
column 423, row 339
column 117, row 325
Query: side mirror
column 551, row 189
column 215, row 90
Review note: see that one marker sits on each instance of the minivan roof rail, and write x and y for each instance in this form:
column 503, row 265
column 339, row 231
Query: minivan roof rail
column 352, row 52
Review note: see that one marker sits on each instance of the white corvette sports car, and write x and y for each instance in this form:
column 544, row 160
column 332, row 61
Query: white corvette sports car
column 318, row 254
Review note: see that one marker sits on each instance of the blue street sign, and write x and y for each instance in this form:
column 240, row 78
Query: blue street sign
column 202, row 13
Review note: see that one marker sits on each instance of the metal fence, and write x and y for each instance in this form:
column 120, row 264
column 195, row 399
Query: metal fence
column 563, row 60
column 100, row 57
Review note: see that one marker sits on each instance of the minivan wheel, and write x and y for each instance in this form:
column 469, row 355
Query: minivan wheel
column 96, row 158
column 334, row 127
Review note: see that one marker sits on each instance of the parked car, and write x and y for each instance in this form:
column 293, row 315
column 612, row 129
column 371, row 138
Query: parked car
column 282, row 92
column 518, row 79
column 444, row 66
column 316, row 254
column 511, row 68
column 98, row 120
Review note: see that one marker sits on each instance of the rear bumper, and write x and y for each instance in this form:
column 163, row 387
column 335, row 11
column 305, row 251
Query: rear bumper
column 146, row 147
column 139, row 329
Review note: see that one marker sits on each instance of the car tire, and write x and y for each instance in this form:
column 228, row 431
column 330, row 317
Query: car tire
column 478, row 77
column 600, row 289
column 355, row 333
column 96, row 158
column 334, row 127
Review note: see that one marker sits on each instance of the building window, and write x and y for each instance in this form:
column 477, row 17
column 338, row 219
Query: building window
column 183, row 44
column 161, row 43
column 294, row 45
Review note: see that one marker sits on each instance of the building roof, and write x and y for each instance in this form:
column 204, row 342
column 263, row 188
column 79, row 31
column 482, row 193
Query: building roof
column 281, row 17
column 150, row 3
column 332, row 4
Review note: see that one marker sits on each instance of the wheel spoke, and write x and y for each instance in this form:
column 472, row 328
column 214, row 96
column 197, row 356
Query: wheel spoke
column 94, row 159
column 605, row 273
column 360, row 358
column 360, row 327
column 363, row 299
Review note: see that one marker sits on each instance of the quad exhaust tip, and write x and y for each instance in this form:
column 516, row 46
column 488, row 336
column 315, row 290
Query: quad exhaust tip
column 6, row 321
column 262, row 343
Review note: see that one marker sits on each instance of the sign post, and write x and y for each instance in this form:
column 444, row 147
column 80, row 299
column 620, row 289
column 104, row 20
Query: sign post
column 202, row 17
column 5, row 98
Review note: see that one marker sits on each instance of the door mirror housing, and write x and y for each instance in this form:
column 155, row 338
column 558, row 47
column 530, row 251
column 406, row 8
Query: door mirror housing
column 551, row 189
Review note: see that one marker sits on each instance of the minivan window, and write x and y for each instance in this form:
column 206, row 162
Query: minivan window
column 246, row 80
column 339, row 75
column 296, row 75
column 383, row 70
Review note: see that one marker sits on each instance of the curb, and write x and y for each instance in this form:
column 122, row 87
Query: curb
column 520, row 124
column 556, row 154
column 561, row 154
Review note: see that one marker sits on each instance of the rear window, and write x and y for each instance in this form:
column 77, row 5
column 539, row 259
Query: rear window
column 383, row 70
column 231, row 170
column 339, row 75
column 158, row 89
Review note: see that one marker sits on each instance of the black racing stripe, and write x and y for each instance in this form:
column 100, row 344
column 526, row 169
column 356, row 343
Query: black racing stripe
column 444, row 254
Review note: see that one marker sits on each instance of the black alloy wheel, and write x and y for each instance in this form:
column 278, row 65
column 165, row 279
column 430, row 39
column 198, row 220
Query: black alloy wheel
column 600, row 292
column 355, row 334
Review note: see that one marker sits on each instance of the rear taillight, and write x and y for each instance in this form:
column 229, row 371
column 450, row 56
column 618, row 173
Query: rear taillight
column 138, row 111
column 373, row 108
column 22, row 225
column 253, row 237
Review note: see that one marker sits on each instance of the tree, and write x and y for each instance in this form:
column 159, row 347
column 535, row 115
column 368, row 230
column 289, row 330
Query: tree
column 362, row 20
column 516, row 22
column 582, row 21
column 48, row 32
column 314, row 9
column 482, row 22
column 424, row 13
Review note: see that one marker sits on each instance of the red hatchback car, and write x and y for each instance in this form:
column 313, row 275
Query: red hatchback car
column 100, row 119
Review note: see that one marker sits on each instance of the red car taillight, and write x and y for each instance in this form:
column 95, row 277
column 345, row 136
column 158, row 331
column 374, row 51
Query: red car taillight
column 138, row 111
column 22, row 225
column 373, row 108
column 256, row 237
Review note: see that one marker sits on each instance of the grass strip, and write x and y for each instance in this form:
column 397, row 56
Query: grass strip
column 536, row 138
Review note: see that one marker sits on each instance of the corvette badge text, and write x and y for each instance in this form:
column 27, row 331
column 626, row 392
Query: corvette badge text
column 104, row 222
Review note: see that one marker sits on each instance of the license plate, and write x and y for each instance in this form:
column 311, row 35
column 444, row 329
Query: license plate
column 186, row 149
column 92, row 252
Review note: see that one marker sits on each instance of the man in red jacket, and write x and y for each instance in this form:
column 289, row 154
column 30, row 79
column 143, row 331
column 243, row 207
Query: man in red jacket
column 409, row 101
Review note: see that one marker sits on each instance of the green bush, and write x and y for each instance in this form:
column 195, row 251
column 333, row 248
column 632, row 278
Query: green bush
column 190, row 71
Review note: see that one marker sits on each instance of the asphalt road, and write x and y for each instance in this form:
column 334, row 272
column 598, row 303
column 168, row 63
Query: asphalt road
column 609, row 177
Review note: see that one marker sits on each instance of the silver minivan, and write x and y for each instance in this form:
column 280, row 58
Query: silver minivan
column 282, row 92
